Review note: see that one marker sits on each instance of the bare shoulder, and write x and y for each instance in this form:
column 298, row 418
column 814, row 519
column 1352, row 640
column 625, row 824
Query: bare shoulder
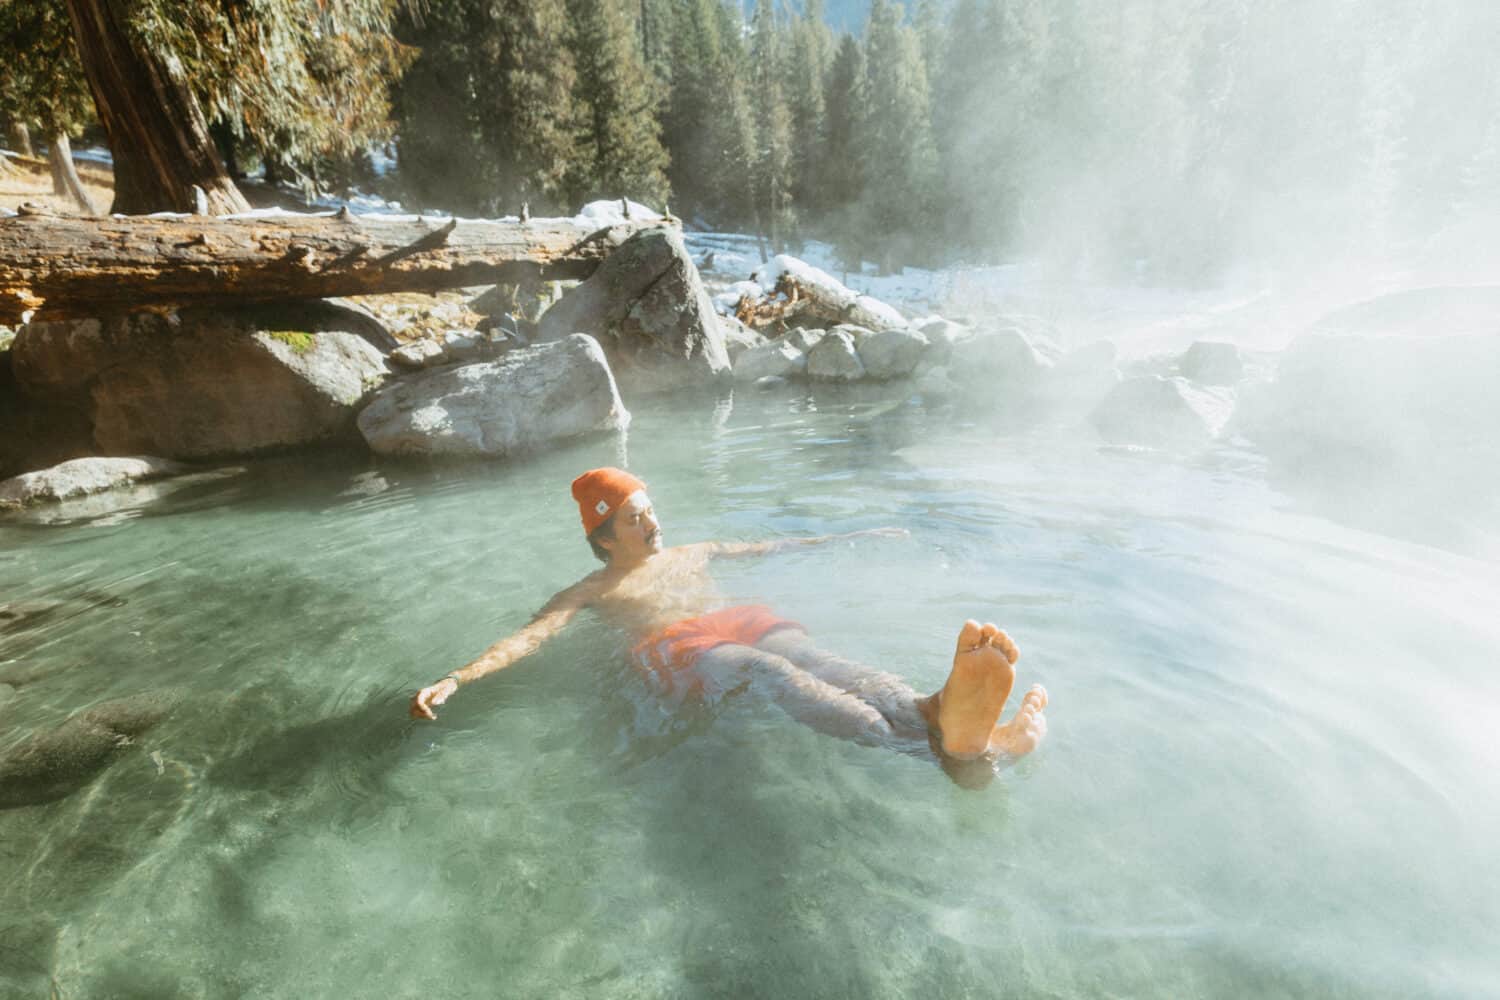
column 576, row 596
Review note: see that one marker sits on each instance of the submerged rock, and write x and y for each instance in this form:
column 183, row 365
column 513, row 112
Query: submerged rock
column 1160, row 412
column 647, row 305
column 523, row 400
column 203, row 382
column 83, row 476
column 47, row 766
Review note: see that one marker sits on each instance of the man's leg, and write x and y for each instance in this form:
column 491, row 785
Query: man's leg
column 963, row 715
column 809, row 700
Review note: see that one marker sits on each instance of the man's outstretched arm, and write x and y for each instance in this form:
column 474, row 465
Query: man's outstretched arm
column 732, row 549
column 525, row 641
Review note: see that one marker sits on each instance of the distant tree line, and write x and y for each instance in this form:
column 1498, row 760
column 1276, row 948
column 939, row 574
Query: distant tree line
column 1161, row 140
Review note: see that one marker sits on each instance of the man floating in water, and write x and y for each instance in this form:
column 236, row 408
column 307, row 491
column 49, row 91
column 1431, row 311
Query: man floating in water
column 663, row 598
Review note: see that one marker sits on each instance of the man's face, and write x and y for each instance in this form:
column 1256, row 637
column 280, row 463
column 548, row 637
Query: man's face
column 637, row 533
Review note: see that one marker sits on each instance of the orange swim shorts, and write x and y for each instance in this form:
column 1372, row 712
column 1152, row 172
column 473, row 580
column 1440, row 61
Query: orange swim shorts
column 678, row 646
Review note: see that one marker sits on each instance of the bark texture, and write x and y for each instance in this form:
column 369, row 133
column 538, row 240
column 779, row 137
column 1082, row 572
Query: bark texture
column 65, row 180
column 157, row 134
column 63, row 267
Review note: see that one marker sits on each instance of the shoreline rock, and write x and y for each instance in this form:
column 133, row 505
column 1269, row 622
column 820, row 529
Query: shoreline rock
column 526, row 398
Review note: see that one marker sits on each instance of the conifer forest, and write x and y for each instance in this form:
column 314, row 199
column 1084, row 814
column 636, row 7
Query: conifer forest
column 1119, row 137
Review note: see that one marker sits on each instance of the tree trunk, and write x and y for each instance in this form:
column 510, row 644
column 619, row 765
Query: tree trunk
column 163, row 155
column 65, row 179
column 20, row 137
column 68, row 267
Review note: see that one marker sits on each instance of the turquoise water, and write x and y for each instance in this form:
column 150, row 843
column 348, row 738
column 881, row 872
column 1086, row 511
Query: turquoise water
column 1270, row 768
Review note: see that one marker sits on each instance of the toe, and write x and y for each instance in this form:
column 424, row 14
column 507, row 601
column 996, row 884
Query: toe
column 987, row 633
column 968, row 636
column 1038, row 695
column 1003, row 643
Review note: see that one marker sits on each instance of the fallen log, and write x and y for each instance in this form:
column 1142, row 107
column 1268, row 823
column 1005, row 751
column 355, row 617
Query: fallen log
column 66, row 267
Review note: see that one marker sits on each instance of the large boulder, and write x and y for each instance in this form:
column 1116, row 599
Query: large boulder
column 82, row 476
column 835, row 359
column 891, row 353
column 1212, row 362
column 780, row 359
column 517, row 403
column 1001, row 355
column 1159, row 412
column 646, row 304
column 204, row 382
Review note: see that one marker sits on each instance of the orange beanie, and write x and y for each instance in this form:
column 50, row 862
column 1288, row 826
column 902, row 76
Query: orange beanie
column 600, row 492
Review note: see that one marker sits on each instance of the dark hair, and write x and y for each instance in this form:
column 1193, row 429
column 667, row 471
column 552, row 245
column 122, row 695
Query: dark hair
column 606, row 530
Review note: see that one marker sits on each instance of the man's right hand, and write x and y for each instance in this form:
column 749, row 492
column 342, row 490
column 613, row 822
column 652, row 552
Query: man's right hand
column 433, row 694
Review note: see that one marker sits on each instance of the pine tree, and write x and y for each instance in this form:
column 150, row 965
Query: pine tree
column 771, row 167
column 806, row 76
column 620, row 154
column 689, row 119
column 895, row 141
column 303, row 78
column 840, row 173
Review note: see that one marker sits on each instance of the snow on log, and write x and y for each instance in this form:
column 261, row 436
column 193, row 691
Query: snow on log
column 66, row 267
column 788, row 287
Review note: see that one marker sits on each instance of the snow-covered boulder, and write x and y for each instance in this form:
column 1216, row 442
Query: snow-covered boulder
column 835, row 359
column 647, row 306
column 82, row 476
column 1210, row 362
column 203, row 382
column 1154, row 411
column 517, row 403
column 891, row 353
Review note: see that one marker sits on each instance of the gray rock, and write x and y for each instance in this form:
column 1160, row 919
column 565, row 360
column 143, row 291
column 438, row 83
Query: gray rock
column 1209, row 362
column 647, row 305
column 202, row 382
column 523, row 400
column 769, row 382
column 469, row 345
column 940, row 330
column 47, row 766
column 779, row 358
column 1001, row 355
column 834, row 359
column 803, row 340
column 83, row 476
column 856, row 332
column 1157, row 412
column 739, row 338
column 418, row 354
column 892, row 353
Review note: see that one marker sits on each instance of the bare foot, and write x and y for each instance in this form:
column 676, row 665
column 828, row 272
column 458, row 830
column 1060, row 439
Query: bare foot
column 971, row 700
column 1022, row 734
